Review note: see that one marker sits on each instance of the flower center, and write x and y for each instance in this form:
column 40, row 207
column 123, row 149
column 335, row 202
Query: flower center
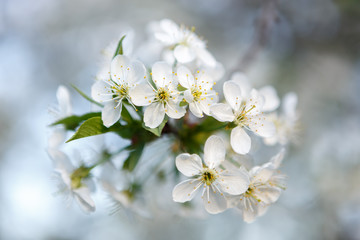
column 162, row 95
column 208, row 176
column 241, row 117
column 121, row 90
column 196, row 94
column 250, row 192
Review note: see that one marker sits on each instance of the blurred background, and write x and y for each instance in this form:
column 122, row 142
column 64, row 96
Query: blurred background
column 311, row 47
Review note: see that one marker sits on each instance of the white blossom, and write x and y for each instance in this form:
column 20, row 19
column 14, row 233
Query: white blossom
column 199, row 91
column 214, row 181
column 244, row 109
column 285, row 122
column 264, row 189
column 125, row 75
column 69, row 184
column 184, row 43
column 162, row 99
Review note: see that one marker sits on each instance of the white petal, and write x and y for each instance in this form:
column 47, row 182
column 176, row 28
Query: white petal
column 60, row 160
column 240, row 140
column 64, row 100
column 262, row 127
column 205, row 56
column 261, row 174
column 171, row 29
column 162, row 74
column 214, row 202
column 154, row 115
column 189, row 165
column 243, row 82
column 232, row 94
column 188, row 96
column 110, row 113
column 57, row 137
column 249, row 215
column 268, row 195
column 195, row 109
column 185, row 191
column 136, row 73
column 184, row 54
column 82, row 195
column 119, row 66
column 173, row 110
column 257, row 100
column 222, row 112
column 234, row 182
column 272, row 100
column 289, row 105
column 214, row 151
column 278, row 158
column 142, row 95
column 100, row 91
column 185, row 77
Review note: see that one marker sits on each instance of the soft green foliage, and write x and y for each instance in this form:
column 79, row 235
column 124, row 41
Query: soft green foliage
column 134, row 156
column 72, row 122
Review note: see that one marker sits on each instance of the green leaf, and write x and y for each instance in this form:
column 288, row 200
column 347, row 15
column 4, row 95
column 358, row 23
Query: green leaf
column 119, row 49
column 183, row 103
column 157, row 131
column 91, row 127
column 87, row 97
column 72, row 122
column 181, row 88
column 134, row 156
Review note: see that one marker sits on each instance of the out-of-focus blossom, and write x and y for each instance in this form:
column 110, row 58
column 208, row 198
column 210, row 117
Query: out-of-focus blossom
column 125, row 75
column 215, row 181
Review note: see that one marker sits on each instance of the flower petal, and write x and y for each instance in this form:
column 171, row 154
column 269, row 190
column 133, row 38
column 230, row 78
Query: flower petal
column 243, row 82
column 214, row 201
column 186, row 190
column 234, row 182
column 142, row 95
column 111, row 113
column 240, row 140
column 185, row 77
column 184, row 54
column 289, row 105
column 119, row 68
column 188, row 96
column 206, row 57
column 222, row 112
column 137, row 73
column 173, row 110
column 268, row 195
column 100, row 91
column 82, row 195
column 154, row 115
column 262, row 127
column 63, row 97
column 196, row 110
column 232, row 94
column 162, row 74
column 214, row 151
column 272, row 100
column 189, row 165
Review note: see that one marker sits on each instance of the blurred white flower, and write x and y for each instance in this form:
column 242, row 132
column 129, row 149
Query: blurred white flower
column 244, row 109
column 199, row 91
column 264, row 189
column 64, row 109
column 184, row 43
column 285, row 122
column 161, row 99
column 215, row 181
column 73, row 182
column 125, row 75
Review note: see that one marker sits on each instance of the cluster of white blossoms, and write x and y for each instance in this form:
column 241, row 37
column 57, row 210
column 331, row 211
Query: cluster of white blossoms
column 175, row 97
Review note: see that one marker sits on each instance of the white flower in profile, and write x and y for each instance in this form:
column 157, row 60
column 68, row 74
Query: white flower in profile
column 125, row 75
column 73, row 181
column 162, row 99
column 214, row 181
column 264, row 189
column 186, row 45
column 199, row 91
column 64, row 109
column 244, row 109
column 286, row 122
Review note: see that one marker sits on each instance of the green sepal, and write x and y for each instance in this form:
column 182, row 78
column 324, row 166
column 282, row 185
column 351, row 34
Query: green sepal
column 183, row 103
column 119, row 48
column 72, row 122
column 157, row 131
column 181, row 88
